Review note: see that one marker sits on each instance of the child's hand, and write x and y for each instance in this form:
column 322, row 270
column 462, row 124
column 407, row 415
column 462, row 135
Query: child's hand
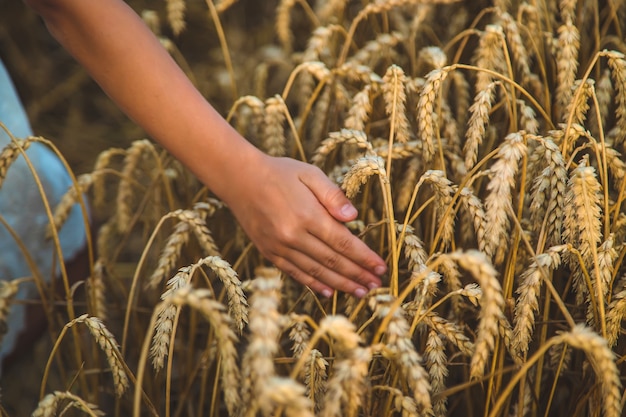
column 293, row 213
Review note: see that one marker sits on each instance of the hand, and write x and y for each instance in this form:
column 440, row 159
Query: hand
column 293, row 213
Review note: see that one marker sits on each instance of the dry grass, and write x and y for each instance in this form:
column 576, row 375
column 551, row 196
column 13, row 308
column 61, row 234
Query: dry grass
column 484, row 147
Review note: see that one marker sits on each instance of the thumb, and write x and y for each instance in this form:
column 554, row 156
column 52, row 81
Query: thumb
column 330, row 196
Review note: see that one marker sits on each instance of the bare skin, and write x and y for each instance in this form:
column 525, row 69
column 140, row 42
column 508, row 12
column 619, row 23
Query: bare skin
column 290, row 210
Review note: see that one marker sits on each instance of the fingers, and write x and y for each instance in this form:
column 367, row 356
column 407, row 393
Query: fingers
column 339, row 260
column 337, row 236
column 319, row 278
column 329, row 195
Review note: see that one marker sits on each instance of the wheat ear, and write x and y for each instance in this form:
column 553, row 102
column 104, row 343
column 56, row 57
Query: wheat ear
column 394, row 93
column 474, row 207
column 527, row 303
column 48, row 406
column 176, row 15
column 315, row 375
column 450, row 331
column 330, row 8
column 348, row 381
column 265, row 327
column 8, row 291
column 602, row 359
column 166, row 314
column 426, row 110
column 213, row 311
column 403, row 353
column 126, row 192
column 270, row 391
column 616, row 312
column 516, row 44
column 479, row 118
column 9, row 154
column 492, row 302
column 96, row 290
column 190, row 221
column 359, row 112
column 436, row 362
column 69, row 199
column 547, row 202
column 489, row 55
column 360, row 172
column 444, row 190
column 274, row 132
column 583, row 226
column 567, row 63
column 283, row 21
column 499, row 198
column 344, row 136
column 617, row 64
column 109, row 346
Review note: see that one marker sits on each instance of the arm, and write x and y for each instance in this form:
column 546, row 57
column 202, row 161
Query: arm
column 289, row 209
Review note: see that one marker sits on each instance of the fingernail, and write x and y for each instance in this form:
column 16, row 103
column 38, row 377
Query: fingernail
column 360, row 292
column 380, row 269
column 348, row 210
column 373, row 285
column 327, row 293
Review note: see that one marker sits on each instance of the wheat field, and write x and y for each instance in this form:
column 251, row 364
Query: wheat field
column 483, row 144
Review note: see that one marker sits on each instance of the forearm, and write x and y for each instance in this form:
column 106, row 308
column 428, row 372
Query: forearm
column 131, row 66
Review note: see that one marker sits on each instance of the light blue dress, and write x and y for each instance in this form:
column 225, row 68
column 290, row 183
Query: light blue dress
column 22, row 207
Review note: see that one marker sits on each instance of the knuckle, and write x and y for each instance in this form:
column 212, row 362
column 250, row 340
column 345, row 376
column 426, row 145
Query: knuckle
column 344, row 243
column 287, row 235
column 332, row 261
column 315, row 271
